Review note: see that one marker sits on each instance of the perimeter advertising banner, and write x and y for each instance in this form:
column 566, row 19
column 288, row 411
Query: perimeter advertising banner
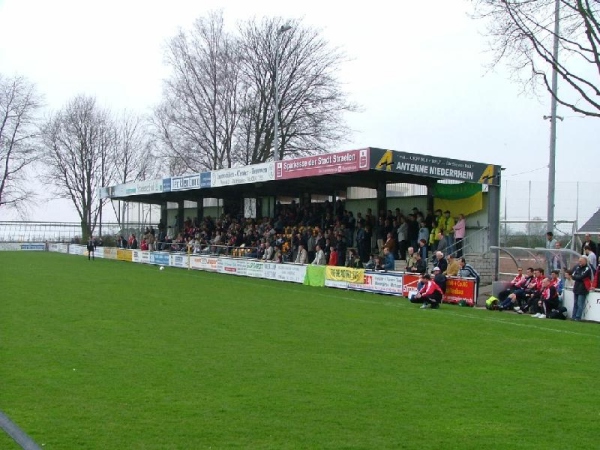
column 187, row 182
column 340, row 162
column 432, row 166
column 59, row 248
column 457, row 289
column 149, row 186
column 242, row 175
column 380, row 283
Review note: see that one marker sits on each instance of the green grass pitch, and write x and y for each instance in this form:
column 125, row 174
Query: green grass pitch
column 115, row 355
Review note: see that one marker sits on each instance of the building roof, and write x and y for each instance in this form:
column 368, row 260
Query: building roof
column 591, row 226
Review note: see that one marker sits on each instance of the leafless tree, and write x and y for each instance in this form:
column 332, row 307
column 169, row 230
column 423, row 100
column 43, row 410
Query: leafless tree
column 311, row 100
column 197, row 117
column 134, row 157
column 522, row 34
column 19, row 105
column 79, row 156
column 218, row 107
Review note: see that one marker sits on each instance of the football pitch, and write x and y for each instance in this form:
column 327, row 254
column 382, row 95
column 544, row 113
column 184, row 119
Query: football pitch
column 114, row 355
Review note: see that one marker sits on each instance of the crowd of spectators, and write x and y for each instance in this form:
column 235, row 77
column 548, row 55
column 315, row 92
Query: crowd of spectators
column 344, row 240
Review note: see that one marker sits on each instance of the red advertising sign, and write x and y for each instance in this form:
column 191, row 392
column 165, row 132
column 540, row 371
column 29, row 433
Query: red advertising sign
column 328, row 163
column 457, row 289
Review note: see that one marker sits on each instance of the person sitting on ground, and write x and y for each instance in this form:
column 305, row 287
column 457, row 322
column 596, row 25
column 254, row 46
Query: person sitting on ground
column 453, row 267
column 430, row 294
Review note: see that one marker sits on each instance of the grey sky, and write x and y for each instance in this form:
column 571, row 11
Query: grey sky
column 419, row 70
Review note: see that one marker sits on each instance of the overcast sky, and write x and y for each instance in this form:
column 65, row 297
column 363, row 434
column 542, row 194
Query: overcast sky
column 420, row 70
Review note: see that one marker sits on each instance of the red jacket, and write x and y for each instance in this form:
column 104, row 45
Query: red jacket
column 430, row 288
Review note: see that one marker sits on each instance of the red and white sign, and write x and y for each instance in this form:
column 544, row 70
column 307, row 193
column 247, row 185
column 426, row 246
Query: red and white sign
column 328, row 163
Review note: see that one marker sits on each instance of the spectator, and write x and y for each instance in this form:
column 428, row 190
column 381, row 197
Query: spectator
column 269, row 253
column 442, row 242
column 591, row 257
column 423, row 249
column 448, row 229
column 411, row 259
column 354, row 260
column 439, row 278
column 588, row 241
column 558, row 260
column 459, row 234
column 440, row 261
column 453, row 266
column 402, row 238
column 423, row 233
column 302, row 256
column 319, row 257
column 388, row 259
column 390, row 244
column 372, row 262
column 420, row 265
column 550, row 245
column 582, row 275
column 467, row 271
column 333, row 256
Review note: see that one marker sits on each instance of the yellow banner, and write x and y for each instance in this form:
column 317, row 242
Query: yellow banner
column 124, row 255
column 345, row 274
column 464, row 206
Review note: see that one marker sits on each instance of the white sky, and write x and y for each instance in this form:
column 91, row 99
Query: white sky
column 419, row 70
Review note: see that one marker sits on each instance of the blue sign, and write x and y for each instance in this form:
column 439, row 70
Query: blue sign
column 160, row 258
column 205, row 179
column 34, row 247
column 166, row 185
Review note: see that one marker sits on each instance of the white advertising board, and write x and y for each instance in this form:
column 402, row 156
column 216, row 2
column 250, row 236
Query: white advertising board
column 243, row 175
column 381, row 283
column 181, row 261
column 294, row 273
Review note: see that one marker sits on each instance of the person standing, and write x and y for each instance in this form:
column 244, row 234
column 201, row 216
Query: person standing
column 91, row 248
column 550, row 245
column 582, row 275
column 459, row 234
column 591, row 244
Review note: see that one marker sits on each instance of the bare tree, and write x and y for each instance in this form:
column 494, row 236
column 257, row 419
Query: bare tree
column 197, row 117
column 311, row 99
column 522, row 34
column 19, row 105
column 79, row 155
column 134, row 158
column 218, row 107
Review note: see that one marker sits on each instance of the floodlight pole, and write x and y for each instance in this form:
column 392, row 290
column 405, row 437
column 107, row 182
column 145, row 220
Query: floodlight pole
column 552, row 117
column 280, row 31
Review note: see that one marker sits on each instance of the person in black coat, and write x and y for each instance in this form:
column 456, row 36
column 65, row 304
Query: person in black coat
column 91, row 247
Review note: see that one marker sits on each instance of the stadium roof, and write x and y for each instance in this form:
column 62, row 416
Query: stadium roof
column 592, row 225
column 318, row 174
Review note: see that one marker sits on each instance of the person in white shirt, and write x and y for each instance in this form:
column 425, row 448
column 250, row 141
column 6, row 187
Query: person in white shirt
column 320, row 259
column 302, row 256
